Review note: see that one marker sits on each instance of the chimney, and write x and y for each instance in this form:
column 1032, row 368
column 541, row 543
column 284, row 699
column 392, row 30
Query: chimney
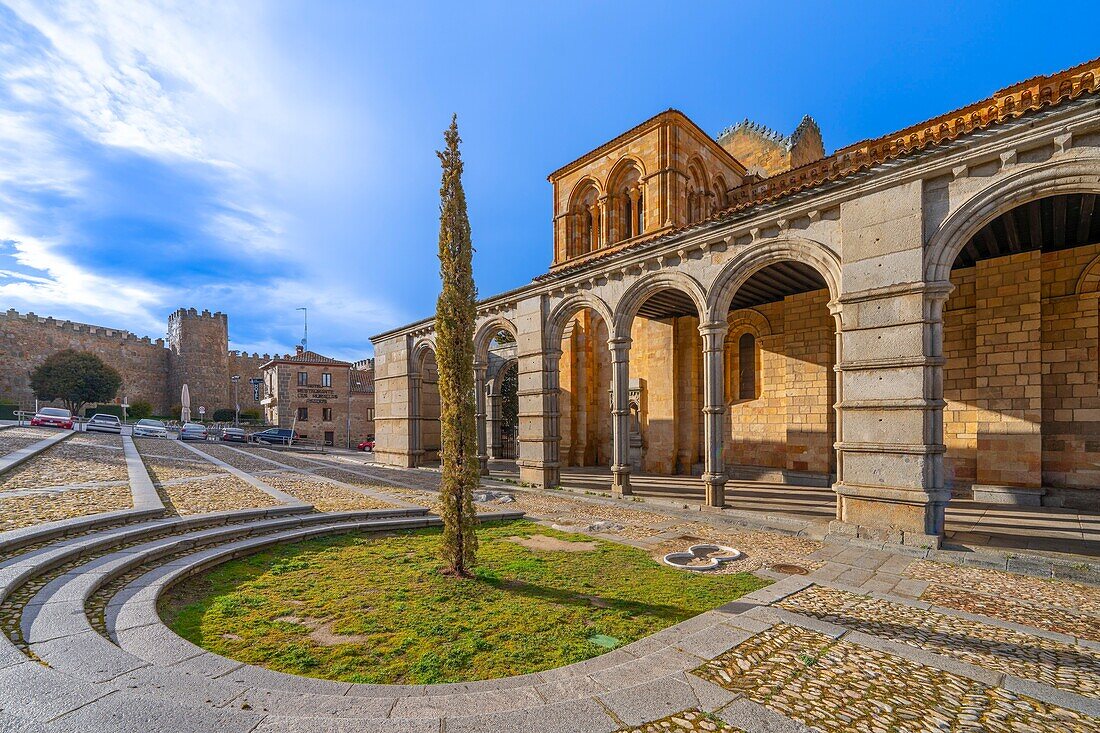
column 298, row 350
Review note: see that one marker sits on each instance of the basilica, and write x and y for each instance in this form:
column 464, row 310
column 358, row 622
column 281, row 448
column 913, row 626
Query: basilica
column 904, row 321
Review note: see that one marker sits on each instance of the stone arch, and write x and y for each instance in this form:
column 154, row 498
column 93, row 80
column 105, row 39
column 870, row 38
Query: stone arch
column 624, row 163
column 583, row 224
column 419, row 351
column 1076, row 175
column 561, row 314
column 487, row 331
column 1089, row 282
column 637, row 294
column 752, row 321
column 758, row 256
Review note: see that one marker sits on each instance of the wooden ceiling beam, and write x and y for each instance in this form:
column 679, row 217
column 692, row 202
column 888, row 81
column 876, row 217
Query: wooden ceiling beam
column 1084, row 221
column 1035, row 225
column 1058, row 224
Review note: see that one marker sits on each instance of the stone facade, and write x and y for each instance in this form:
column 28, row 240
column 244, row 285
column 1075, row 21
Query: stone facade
column 326, row 400
column 921, row 307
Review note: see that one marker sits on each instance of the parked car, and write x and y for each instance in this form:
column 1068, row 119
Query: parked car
column 367, row 445
column 53, row 417
column 101, row 423
column 236, row 435
column 193, row 431
column 275, row 436
column 150, row 429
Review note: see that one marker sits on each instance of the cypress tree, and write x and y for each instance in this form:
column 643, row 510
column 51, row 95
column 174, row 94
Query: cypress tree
column 455, row 313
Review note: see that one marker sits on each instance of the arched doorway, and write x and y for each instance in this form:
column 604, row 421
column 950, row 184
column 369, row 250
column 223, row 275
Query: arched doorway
column 1021, row 422
column 780, row 386
column 584, row 380
column 424, row 400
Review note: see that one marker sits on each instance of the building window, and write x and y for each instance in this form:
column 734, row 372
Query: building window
column 303, row 413
column 326, row 414
column 370, row 414
column 746, row 367
column 326, row 380
column 303, row 379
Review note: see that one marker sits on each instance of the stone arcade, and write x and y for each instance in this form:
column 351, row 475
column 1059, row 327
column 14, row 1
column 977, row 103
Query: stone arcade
column 908, row 319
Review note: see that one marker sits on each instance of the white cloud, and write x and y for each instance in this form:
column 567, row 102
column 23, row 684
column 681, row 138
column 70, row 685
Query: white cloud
column 66, row 286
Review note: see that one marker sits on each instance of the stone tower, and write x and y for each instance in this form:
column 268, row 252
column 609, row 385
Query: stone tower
column 199, row 357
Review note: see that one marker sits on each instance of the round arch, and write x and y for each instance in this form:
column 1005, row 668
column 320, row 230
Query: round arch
column 637, row 294
column 1089, row 282
column 487, row 331
column 625, row 162
column 1077, row 175
column 581, row 187
column 755, row 258
column 750, row 321
column 419, row 351
column 566, row 309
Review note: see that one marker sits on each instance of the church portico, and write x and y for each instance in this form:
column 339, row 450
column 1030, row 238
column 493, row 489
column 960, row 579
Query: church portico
column 868, row 322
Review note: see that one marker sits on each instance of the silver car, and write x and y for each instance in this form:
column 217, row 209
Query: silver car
column 150, row 429
column 101, row 423
column 192, row 431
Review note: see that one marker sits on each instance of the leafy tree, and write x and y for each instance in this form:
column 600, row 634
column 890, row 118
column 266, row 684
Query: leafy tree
column 76, row 378
column 140, row 409
column 455, row 313
column 252, row 415
column 224, row 414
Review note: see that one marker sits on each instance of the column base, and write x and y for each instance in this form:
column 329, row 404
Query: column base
column 1012, row 495
column 544, row 477
column 620, row 481
column 715, row 486
column 483, row 462
column 896, row 516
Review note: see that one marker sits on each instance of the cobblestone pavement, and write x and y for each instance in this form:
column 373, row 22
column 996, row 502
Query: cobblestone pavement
column 13, row 439
column 1084, row 598
column 25, row 511
column 840, row 686
column 83, row 458
column 1041, row 616
column 324, row 496
column 687, row 721
column 237, row 459
column 1067, row 667
column 213, row 494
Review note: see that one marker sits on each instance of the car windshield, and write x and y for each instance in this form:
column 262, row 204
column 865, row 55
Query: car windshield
column 151, row 423
column 104, row 418
column 54, row 412
column 192, row 426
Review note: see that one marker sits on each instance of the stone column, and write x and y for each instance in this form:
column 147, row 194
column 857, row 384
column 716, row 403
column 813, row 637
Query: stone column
column 890, row 477
column 714, row 410
column 597, row 225
column 605, row 222
column 620, row 415
column 479, row 416
column 634, row 194
column 416, row 441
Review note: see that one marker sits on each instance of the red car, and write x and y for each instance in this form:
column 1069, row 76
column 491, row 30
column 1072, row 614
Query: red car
column 367, row 445
column 53, row 417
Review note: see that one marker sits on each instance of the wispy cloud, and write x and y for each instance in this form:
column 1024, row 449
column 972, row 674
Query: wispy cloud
column 147, row 158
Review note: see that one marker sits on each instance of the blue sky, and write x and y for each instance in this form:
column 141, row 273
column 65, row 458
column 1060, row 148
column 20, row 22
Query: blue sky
column 255, row 157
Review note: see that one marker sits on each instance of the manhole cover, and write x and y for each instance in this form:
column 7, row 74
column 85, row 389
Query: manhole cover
column 609, row 642
column 790, row 569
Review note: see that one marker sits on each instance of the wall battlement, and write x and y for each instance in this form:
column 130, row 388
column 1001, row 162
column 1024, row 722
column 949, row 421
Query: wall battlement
column 112, row 334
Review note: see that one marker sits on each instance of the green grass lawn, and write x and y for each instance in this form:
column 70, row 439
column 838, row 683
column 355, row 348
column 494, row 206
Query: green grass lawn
column 374, row 608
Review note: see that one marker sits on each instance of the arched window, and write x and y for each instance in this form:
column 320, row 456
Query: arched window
column 746, row 367
column 584, row 221
column 625, row 186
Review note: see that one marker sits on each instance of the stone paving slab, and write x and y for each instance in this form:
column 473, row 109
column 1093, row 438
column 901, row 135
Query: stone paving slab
column 649, row 701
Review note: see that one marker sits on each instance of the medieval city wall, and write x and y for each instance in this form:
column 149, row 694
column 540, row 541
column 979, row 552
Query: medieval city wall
column 26, row 340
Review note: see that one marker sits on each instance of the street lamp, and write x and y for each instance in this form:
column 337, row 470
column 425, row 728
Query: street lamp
column 236, row 379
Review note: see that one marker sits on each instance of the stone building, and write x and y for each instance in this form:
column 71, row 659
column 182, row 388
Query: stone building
column 908, row 319
column 196, row 353
column 324, row 399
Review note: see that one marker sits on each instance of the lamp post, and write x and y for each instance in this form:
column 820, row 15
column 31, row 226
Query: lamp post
column 236, row 379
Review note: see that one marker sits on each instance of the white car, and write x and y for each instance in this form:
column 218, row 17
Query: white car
column 150, row 429
column 101, row 423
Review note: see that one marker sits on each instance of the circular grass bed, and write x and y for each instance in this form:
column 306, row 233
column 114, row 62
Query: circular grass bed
column 375, row 608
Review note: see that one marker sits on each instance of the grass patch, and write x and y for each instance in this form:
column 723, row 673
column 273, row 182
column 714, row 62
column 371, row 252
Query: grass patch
column 525, row 610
